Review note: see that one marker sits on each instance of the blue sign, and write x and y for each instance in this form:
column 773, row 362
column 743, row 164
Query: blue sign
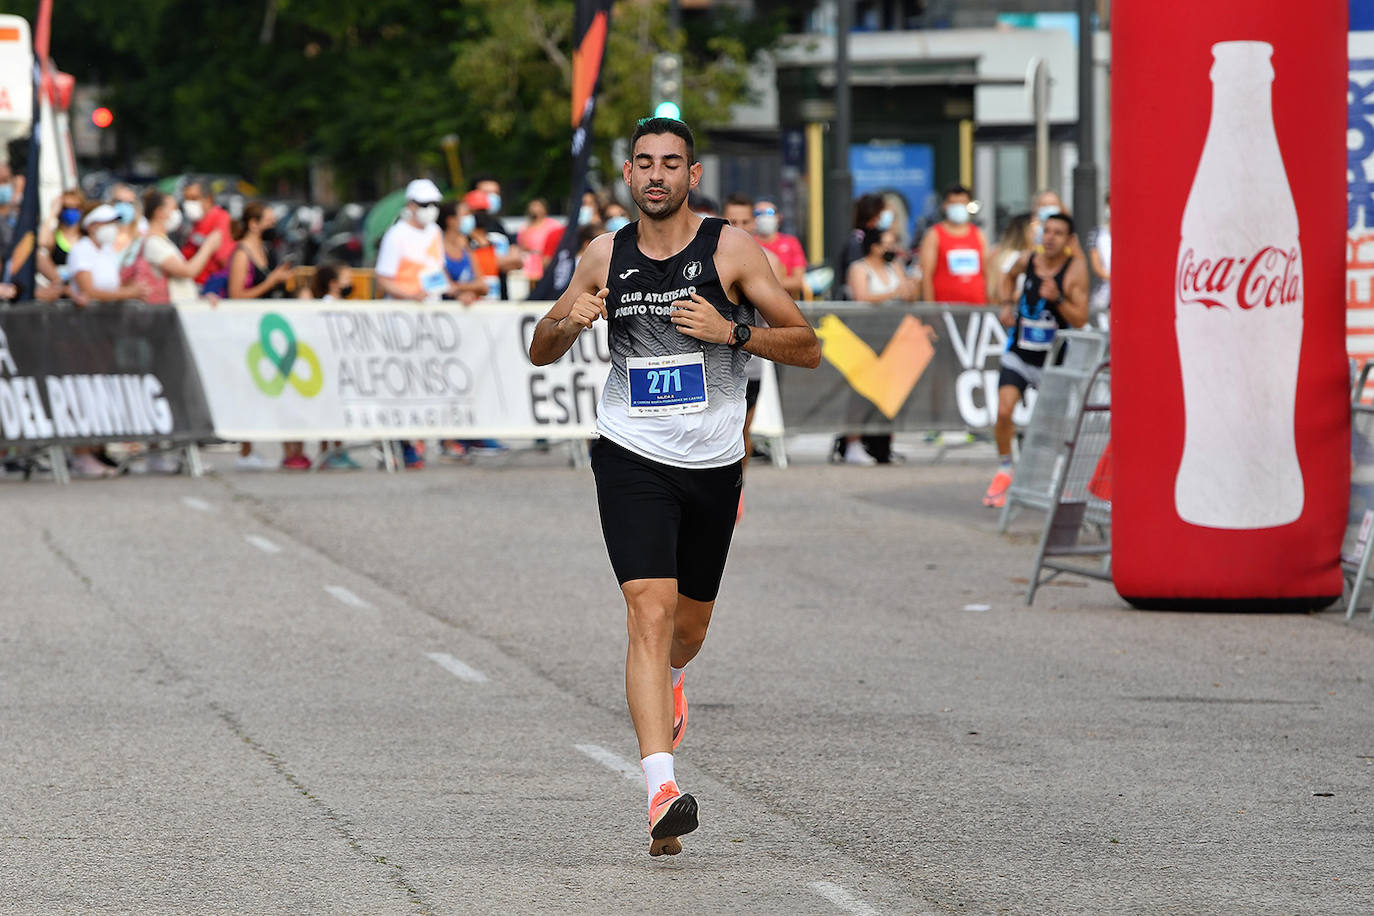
column 908, row 169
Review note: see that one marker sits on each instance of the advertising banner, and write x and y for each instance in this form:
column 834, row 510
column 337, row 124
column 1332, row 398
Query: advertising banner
column 898, row 368
column 110, row 372
column 1359, row 221
column 1230, row 393
column 291, row 370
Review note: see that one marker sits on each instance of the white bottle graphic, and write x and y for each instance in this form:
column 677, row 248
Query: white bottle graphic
column 1238, row 299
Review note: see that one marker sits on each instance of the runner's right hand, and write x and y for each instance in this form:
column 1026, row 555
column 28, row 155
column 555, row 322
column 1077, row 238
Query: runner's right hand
column 588, row 308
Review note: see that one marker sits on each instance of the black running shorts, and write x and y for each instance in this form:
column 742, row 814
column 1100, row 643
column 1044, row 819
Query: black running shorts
column 751, row 392
column 662, row 522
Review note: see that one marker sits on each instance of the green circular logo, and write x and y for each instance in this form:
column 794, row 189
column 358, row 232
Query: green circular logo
column 284, row 353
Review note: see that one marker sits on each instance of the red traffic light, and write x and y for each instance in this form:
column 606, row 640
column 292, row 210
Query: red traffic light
column 102, row 117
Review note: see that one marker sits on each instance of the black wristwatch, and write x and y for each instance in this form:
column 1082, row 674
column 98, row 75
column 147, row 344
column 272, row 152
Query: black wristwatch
column 740, row 336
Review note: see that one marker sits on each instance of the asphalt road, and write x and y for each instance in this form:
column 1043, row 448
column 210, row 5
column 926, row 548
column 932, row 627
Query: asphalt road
column 361, row 693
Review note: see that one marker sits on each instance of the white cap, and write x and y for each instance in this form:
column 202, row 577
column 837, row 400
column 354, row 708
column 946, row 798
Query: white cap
column 423, row 191
column 101, row 214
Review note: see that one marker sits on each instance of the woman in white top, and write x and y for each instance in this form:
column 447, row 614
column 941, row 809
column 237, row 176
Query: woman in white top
column 1017, row 239
column 164, row 216
column 94, row 260
column 874, row 278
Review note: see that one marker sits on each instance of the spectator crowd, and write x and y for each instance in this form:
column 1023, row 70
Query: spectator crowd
column 163, row 247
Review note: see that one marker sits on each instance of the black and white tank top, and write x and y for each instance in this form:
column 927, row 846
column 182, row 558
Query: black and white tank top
column 640, row 304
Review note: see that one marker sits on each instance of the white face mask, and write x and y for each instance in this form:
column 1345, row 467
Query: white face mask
column 956, row 213
column 885, row 221
column 194, row 209
column 585, row 214
column 173, row 221
column 427, row 215
column 105, row 235
column 766, row 224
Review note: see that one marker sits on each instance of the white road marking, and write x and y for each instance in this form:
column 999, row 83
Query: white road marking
column 842, row 898
column 262, row 543
column 456, row 668
column 978, row 607
column 346, row 596
column 199, row 505
column 611, row 761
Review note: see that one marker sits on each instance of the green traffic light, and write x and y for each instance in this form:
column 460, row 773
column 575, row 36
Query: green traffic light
column 668, row 110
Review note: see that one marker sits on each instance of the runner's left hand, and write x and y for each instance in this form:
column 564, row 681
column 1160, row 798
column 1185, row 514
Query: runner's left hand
column 698, row 318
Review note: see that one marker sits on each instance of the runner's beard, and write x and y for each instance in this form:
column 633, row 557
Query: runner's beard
column 659, row 209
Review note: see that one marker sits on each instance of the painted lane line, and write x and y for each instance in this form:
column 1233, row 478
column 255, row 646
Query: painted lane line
column 842, row 898
column 978, row 607
column 456, row 668
column 611, row 761
column 262, row 543
column 346, row 596
column 196, row 503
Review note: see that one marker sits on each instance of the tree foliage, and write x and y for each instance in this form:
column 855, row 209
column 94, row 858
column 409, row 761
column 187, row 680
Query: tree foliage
column 263, row 88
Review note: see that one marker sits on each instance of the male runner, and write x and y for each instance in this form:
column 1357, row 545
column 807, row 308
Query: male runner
column 1054, row 296
column 679, row 291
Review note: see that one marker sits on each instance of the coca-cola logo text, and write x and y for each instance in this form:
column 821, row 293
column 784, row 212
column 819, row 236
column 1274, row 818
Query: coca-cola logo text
column 1271, row 277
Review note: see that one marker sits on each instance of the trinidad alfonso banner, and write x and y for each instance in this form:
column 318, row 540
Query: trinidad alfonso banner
column 293, row 370
column 1230, row 389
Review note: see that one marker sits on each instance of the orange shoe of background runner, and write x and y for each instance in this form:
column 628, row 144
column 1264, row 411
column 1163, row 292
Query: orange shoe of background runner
column 679, row 711
column 997, row 490
column 671, row 814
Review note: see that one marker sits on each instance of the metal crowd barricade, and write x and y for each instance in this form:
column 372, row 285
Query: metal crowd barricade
column 1081, row 482
column 1358, row 545
column 1058, row 400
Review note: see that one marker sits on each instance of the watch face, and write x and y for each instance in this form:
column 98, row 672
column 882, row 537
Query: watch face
column 742, row 333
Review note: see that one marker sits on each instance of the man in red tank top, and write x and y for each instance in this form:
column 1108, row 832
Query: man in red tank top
column 954, row 255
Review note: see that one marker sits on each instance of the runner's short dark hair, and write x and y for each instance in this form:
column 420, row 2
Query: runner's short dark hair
column 655, row 126
column 1063, row 217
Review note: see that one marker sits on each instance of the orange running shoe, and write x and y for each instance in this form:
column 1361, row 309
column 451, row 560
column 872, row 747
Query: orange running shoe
column 671, row 814
column 679, row 711
column 997, row 490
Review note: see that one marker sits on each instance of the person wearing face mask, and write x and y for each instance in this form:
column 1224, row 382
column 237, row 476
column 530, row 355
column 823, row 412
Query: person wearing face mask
column 251, row 272
column 532, row 238
column 1047, row 203
column 788, row 248
column 94, row 261
column 954, row 255
column 204, row 216
column 410, row 261
column 131, row 224
column 491, row 251
column 509, row 255
column 870, row 210
column 457, row 222
column 59, row 235
column 875, row 277
column 166, row 263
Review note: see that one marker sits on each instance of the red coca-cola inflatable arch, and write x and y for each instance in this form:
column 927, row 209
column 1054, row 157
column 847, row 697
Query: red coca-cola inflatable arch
column 1230, row 425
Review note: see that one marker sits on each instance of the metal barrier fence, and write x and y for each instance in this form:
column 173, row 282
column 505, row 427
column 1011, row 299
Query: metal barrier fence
column 1063, row 386
column 1080, row 491
column 1359, row 531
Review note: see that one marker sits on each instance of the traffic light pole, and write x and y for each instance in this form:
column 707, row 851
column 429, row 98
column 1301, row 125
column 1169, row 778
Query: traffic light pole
column 841, row 184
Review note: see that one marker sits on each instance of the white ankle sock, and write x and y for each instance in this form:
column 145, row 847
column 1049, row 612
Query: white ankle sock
column 658, row 769
column 677, row 674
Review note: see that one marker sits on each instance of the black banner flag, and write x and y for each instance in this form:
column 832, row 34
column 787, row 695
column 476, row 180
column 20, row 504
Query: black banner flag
column 591, row 25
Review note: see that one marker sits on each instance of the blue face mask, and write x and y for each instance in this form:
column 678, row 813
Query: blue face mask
column 125, row 211
column 885, row 221
column 1046, row 212
column 616, row 223
column 466, row 223
column 70, row 216
column 6, row 194
column 494, row 201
